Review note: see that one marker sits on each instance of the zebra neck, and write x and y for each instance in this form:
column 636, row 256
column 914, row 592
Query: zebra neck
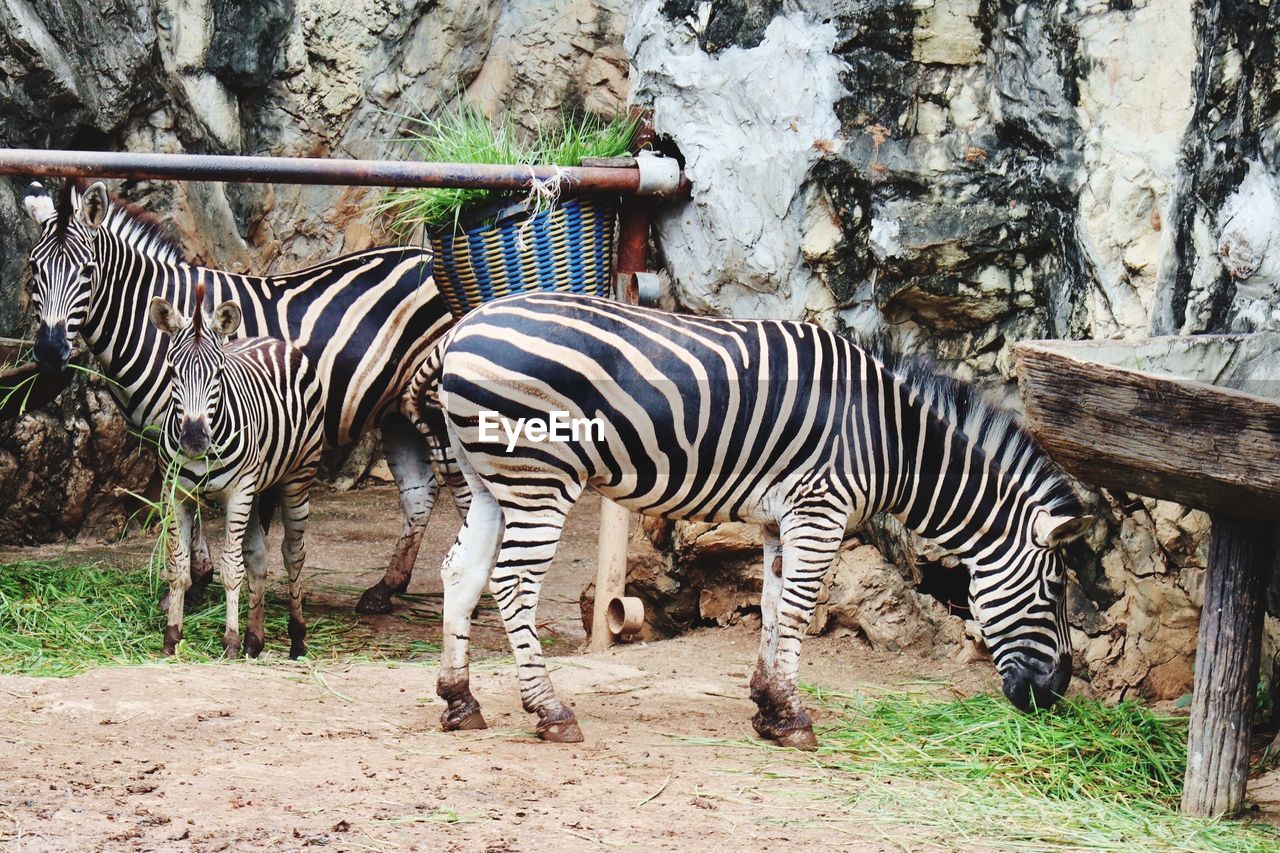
column 951, row 492
column 117, row 329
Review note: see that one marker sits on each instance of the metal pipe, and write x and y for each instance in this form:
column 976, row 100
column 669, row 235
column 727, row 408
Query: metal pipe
column 624, row 180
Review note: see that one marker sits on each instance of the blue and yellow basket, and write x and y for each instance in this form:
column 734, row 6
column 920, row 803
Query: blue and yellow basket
column 567, row 248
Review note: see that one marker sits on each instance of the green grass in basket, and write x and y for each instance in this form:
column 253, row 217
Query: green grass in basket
column 466, row 135
column 59, row 619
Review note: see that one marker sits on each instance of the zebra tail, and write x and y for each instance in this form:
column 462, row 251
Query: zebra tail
column 421, row 405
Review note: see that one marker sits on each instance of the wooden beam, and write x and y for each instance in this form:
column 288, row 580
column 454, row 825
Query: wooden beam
column 1206, row 446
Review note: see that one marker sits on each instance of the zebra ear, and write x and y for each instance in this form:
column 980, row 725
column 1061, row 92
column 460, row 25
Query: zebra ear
column 38, row 202
column 1051, row 532
column 226, row 319
column 164, row 316
column 93, row 205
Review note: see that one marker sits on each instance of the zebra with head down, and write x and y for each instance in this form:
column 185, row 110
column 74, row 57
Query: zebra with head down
column 366, row 321
column 784, row 424
column 244, row 417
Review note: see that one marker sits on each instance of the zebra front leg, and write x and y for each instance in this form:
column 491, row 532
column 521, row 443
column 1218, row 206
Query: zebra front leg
column 807, row 549
column 201, row 571
column 528, row 546
column 255, row 558
column 410, row 464
column 178, row 569
column 296, row 509
column 239, row 506
column 464, row 572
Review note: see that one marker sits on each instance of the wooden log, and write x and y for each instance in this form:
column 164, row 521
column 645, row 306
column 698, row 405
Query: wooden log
column 1206, row 446
column 611, row 576
column 1230, row 642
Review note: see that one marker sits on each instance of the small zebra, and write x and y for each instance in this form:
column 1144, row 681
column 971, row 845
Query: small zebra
column 783, row 424
column 366, row 321
column 244, row 417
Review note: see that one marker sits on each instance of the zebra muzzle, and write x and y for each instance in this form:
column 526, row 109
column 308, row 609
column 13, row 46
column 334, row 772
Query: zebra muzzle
column 52, row 350
column 194, row 439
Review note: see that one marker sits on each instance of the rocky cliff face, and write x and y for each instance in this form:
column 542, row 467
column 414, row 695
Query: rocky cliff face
column 281, row 77
column 970, row 174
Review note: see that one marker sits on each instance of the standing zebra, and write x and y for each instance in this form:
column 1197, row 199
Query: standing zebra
column 784, row 424
column 243, row 418
column 366, row 321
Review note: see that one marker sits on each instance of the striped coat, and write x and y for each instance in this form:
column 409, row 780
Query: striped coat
column 782, row 424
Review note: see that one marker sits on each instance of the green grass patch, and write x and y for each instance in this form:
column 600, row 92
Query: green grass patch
column 1082, row 776
column 58, row 619
column 466, row 135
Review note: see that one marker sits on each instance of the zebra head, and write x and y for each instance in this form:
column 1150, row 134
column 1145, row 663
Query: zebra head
column 196, row 363
column 64, row 266
column 1018, row 596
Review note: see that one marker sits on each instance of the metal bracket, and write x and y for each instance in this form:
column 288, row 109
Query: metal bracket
column 658, row 175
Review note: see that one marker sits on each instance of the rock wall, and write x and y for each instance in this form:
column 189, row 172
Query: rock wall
column 971, row 173
column 279, row 77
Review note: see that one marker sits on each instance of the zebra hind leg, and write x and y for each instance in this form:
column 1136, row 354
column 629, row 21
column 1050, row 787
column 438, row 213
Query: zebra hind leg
column 464, row 572
column 798, row 567
column 410, row 464
column 529, row 543
column 296, row 509
column 255, row 561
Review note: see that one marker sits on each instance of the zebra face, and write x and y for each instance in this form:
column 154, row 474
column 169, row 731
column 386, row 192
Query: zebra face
column 63, row 268
column 1020, row 601
column 196, row 363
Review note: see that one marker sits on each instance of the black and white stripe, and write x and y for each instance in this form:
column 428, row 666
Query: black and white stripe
column 365, row 321
column 243, row 418
column 783, row 424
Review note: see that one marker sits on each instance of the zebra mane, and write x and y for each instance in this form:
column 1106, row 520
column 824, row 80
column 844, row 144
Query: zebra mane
column 197, row 315
column 131, row 224
column 996, row 430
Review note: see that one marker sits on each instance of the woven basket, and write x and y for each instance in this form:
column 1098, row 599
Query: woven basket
column 567, row 248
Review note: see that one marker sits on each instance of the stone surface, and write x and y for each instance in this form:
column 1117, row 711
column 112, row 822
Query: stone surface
column 978, row 174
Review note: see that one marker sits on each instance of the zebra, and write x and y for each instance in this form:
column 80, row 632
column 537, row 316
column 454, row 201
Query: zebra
column 366, row 321
column 244, row 417
column 784, row 424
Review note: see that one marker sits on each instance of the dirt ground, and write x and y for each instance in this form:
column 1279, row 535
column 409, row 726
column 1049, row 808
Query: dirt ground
column 349, row 755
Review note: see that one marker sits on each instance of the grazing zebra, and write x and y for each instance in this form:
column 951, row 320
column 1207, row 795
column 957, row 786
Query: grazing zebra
column 366, row 321
column 243, row 418
column 784, row 424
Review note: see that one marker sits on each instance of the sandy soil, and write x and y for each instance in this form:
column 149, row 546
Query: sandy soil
column 349, row 755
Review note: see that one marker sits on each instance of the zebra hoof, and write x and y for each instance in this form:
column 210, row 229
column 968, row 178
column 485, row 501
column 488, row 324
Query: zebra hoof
column 376, row 599
column 801, row 739
column 465, row 717
column 297, row 639
column 231, row 646
column 172, row 636
column 252, row 645
column 560, row 728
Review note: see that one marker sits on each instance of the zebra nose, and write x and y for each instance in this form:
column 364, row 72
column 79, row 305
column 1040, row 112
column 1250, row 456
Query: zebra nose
column 1029, row 687
column 52, row 350
column 194, row 437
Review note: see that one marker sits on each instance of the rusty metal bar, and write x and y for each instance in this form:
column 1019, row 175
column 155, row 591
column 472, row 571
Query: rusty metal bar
column 316, row 170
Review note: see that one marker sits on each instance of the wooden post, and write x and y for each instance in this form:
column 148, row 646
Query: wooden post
column 615, row 522
column 1240, row 555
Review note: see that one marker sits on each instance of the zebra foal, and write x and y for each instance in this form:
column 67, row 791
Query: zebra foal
column 244, row 417
column 783, row 424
